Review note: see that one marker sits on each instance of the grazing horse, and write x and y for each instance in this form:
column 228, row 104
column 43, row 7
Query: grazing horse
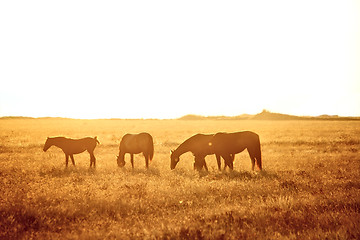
column 227, row 144
column 73, row 146
column 200, row 147
column 134, row 144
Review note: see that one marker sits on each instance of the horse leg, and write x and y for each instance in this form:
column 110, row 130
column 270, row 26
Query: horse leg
column 228, row 161
column 147, row 161
column 204, row 164
column 92, row 160
column 147, row 158
column 218, row 159
column 225, row 163
column 252, row 159
column 258, row 159
column 66, row 159
column 72, row 159
column 132, row 160
column 198, row 163
column 252, row 163
column 232, row 158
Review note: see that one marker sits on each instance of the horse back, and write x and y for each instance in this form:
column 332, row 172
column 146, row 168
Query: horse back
column 83, row 144
column 199, row 144
column 234, row 142
column 136, row 143
column 75, row 146
column 247, row 138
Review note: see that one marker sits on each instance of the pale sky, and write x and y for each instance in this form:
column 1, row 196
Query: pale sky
column 165, row 59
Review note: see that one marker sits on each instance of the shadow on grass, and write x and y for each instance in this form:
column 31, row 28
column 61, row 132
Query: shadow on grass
column 143, row 171
column 187, row 173
column 228, row 175
column 64, row 172
column 244, row 175
column 151, row 171
column 268, row 175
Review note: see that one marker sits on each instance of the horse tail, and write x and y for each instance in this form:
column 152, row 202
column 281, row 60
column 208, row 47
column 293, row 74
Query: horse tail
column 151, row 148
column 96, row 140
column 258, row 154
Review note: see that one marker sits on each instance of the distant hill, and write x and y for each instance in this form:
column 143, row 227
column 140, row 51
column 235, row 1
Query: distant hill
column 16, row 117
column 192, row 117
column 267, row 115
column 199, row 117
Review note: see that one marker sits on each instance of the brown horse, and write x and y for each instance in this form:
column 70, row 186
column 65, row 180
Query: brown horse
column 200, row 147
column 134, row 144
column 73, row 146
column 228, row 144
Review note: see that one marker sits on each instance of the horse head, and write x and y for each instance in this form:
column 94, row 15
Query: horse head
column 47, row 144
column 120, row 161
column 174, row 160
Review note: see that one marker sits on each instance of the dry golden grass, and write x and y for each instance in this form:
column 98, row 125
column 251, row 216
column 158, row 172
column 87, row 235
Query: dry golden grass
column 309, row 189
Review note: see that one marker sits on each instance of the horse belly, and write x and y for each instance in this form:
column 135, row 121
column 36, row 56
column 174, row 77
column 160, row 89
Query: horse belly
column 230, row 148
column 127, row 148
column 75, row 149
column 134, row 150
column 238, row 149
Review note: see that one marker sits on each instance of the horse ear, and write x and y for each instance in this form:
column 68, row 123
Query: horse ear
column 171, row 151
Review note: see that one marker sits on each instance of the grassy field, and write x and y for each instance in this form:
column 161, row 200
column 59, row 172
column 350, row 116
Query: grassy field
column 309, row 189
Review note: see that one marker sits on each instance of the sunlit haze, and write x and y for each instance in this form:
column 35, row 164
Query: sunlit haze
column 165, row 59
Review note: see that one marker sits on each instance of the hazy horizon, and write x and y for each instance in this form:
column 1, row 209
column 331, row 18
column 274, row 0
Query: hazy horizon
column 161, row 59
column 189, row 114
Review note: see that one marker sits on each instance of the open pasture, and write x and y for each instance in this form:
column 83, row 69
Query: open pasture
column 309, row 188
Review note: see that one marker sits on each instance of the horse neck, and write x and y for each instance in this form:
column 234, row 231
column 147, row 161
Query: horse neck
column 58, row 142
column 121, row 154
column 183, row 148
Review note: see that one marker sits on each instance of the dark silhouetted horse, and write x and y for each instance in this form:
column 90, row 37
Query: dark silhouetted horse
column 200, row 147
column 228, row 144
column 73, row 146
column 134, row 144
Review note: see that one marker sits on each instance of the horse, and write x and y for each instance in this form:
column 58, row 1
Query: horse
column 134, row 144
column 200, row 146
column 228, row 144
column 73, row 146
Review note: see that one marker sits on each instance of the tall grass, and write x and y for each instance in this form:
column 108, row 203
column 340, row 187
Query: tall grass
column 309, row 189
